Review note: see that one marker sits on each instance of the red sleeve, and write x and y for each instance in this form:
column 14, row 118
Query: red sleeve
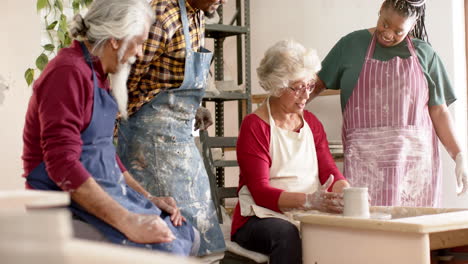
column 326, row 164
column 119, row 162
column 61, row 105
column 253, row 156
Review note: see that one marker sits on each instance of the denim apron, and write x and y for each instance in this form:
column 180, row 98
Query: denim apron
column 157, row 146
column 99, row 158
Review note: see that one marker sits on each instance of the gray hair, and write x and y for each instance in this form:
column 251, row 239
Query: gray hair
column 118, row 19
column 286, row 61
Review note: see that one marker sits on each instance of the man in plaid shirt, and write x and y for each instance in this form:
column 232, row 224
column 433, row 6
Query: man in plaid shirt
column 165, row 89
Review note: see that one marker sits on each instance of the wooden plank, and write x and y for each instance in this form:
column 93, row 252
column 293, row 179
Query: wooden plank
column 329, row 92
column 77, row 251
column 31, row 199
column 259, row 98
column 448, row 239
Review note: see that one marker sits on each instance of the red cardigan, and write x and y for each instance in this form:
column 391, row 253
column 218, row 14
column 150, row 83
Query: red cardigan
column 253, row 156
column 60, row 109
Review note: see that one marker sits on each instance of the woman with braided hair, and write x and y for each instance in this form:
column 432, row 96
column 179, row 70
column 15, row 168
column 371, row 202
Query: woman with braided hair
column 394, row 97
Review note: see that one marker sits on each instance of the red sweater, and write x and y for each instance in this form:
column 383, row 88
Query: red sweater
column 60, row 109
column 253, row 156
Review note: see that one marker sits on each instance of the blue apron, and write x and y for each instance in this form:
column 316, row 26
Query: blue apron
column 157, row 146
column 99, row 158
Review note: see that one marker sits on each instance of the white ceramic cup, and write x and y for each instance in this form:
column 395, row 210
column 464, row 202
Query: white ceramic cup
column 356, row 202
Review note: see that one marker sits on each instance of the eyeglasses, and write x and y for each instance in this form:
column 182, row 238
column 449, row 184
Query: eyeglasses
column 308, row 88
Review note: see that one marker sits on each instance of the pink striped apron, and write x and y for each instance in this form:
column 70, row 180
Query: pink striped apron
column 390, row 145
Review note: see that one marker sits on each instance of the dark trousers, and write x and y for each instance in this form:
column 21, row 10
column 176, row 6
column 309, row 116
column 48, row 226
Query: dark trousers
column 274, row 237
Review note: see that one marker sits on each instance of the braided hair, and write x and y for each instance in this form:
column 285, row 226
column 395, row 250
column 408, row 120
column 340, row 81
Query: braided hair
column 409, row 8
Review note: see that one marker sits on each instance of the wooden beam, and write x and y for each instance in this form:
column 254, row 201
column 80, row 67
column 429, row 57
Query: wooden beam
column 448, row 239
column 259, row 98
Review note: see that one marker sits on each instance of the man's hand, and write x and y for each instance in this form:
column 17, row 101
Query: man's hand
column 146, row 229
column 203, row 119
column 169, row 205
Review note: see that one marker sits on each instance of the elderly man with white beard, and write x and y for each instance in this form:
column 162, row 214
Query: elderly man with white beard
column 68, row 134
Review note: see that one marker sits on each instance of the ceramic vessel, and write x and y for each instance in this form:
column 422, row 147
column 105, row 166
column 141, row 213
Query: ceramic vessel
column 356, row 202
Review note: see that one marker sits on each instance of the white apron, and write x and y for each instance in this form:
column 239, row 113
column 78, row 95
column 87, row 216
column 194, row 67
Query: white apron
column 294, row 167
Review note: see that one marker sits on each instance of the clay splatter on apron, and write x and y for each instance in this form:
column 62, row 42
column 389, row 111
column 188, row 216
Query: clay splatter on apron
column 390, row 145
column 156, row 143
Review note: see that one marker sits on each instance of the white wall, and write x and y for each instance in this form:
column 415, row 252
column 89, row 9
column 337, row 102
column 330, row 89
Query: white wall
column 447, row 36
column 18, row 49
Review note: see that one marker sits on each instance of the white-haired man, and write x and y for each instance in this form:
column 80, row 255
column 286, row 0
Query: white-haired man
column 68, row 134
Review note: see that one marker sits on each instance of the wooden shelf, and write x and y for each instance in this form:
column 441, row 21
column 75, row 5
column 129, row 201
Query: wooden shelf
column 329, row 92
column 259, row 98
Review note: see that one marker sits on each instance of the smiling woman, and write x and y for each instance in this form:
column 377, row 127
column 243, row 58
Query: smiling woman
column 394, row 97
column 398, row 18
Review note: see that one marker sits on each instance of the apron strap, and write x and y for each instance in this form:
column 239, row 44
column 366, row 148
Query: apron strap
column 371, row 48
column 411, row 47
column 89, row 61
column 183, row 14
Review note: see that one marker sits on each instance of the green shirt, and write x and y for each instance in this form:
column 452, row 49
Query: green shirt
column 343, row 64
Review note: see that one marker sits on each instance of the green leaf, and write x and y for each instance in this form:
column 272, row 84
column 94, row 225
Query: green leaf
column 41, row 4
column 59, row 5
column 52, row 25
column 88, row 2
column 42, row 61
column 76, row 6
column 61, row 36
column 29, row 76
column 49, row 47
column 63, row 23
column 68, row 40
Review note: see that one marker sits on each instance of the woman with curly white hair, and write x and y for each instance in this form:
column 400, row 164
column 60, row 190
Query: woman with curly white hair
column 284, row 159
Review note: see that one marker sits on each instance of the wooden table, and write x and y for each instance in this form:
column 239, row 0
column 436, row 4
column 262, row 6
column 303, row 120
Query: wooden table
column 32, row 199
column 407, row 238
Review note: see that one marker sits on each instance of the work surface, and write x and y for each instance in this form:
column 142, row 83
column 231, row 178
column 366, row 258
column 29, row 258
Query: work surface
column 35, row 227
column 407, row 237
column 403, row 219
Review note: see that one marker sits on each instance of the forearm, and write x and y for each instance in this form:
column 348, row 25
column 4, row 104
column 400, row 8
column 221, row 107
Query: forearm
column 97, row 202
column 135, row 185
column 443, row 126
column 291, row 200
column 319, row 87
column 340, row 185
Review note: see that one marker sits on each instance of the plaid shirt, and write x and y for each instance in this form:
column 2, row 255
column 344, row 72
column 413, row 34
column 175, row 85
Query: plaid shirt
column 162, row 64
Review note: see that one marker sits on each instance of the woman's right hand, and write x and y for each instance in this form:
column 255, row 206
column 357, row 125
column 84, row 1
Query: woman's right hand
column 146, row 229
column 323, row 200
